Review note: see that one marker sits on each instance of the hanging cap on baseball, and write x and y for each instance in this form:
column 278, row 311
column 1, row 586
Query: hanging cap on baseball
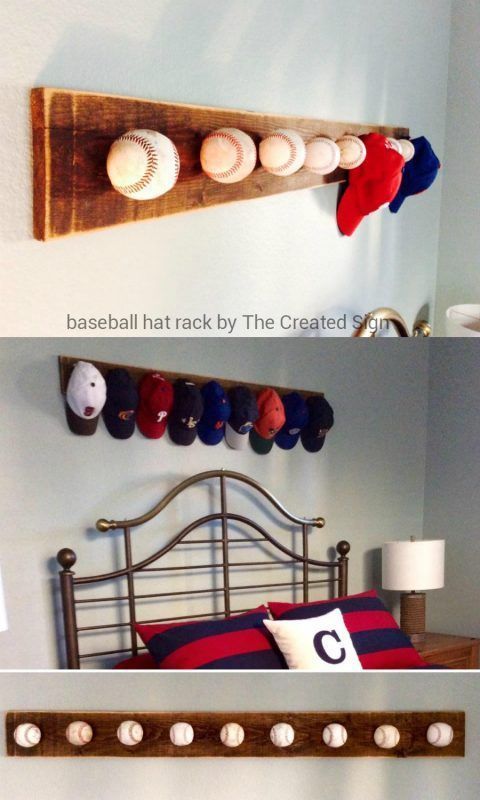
column 186, row 412
column 271, row 417
column 86, row 395
column 320, row 420
column 244, row 414
column 419, row 172
column 296, row 413
column 121, row 405
column 216, row 411
column 156, row 401
column 375, row 182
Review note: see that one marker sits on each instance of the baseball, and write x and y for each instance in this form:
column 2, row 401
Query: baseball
column 27, row 734
column 181, row 734
column 386, row 737
column 130, row 732
column 79, row 733
column 232, row 734
column 440, row 734
column 408, row 149
column 283, row 152
column 352, row 151
column 395, row 144
column 228, row 155
column 322, row 156
column 334, row 735
column 143, row 164
column 282, row 734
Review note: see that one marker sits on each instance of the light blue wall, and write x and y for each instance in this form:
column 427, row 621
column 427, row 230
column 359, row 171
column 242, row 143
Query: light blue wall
column 209, row 779
column 372, row 61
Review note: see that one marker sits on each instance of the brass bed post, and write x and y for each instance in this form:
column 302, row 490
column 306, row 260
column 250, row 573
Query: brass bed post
column 225, row 557
column 131, row 590
column 343, row 548
column 305, row 562
column 67, row 558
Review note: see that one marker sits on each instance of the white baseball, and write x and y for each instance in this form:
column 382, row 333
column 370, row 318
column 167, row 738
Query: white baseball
column 395, row 144
column 352, row 151
column 79, row 733
column 181, row 734
column 130, row 732
column 228, row 155
column 408, row 149
column 322, row 156
column 283, row 152
column 334, row 735
column 27, row 734
column 232, row 734
column 386, row 736
column 282, row 734
column 440, row 734
column 143, row 164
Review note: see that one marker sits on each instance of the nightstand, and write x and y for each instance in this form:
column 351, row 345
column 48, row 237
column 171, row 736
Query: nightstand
column 454, row 652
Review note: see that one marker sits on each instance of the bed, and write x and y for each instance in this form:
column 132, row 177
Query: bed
column 231, row 544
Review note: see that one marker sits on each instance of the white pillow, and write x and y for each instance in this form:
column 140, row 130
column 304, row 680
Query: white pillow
column 320, row 643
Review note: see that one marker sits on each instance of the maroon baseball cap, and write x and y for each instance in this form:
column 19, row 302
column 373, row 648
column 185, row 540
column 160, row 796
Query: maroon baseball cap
column 371, row 185
column 155, row 404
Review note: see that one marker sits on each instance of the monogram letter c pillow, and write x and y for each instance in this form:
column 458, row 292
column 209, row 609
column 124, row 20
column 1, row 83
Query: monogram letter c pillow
column 321, row 643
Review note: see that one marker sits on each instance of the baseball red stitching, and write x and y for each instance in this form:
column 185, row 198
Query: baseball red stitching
column 294, row 152
column 152, row 163
column 238, row 150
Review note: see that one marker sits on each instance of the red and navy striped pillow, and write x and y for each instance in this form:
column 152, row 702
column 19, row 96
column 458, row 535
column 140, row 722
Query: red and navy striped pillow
column 240, row 642
column 379, row 642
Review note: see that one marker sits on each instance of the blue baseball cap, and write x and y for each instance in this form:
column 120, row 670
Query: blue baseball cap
column 120, row 409
column 418, row 174
column 320, row 420
column 216, row 411
column 296, row 413
column 243, row 416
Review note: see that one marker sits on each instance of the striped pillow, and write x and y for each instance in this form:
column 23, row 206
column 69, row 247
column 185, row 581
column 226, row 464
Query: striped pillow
column 240, row 642
column 379, row 642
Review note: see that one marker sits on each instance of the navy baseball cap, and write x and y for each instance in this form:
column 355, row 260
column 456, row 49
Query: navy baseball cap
column 216, row 411
column 244, row 414
column 418, row 174
column 120, row 408
column 186, row 412
column 320, row 420
column 296, row 413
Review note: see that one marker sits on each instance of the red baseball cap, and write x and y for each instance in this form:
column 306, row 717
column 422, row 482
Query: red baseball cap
column 371, row 185
column 270, row 420
column 156, row 401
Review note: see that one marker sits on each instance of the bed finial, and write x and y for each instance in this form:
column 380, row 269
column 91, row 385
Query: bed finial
column 105, row 525
column 66, row 558
column 343, row 548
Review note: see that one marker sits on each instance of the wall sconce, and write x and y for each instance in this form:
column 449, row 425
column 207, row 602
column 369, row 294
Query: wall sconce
column 411, row 567
column 3, row 610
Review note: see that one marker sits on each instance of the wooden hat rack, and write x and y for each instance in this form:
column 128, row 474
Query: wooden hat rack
column 73, row 133
column 391, row 734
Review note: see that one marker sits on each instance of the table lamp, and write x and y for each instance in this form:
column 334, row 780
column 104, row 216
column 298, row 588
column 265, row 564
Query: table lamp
column 3, row 610
column 412, row 567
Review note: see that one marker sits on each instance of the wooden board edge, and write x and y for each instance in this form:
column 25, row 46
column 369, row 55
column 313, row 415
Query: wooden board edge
column 38, row 106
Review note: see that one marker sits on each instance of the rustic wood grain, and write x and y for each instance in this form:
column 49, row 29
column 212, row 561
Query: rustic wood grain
column 67, row 363
column 454, row 652
column 73, row 131
column 308, row 734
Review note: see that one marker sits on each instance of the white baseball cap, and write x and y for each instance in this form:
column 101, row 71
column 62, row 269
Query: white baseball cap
column 86, row 396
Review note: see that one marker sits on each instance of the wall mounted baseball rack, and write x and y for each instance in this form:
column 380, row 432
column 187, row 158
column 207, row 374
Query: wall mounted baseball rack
column 161, row 734
column 73, row 132
column 67, row 363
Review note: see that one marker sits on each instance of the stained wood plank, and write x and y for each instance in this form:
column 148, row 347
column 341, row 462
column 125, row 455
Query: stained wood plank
column 308, row 734
column 73, row 131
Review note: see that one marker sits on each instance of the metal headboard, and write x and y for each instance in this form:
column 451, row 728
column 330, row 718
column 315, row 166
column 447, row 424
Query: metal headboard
column 337, row 580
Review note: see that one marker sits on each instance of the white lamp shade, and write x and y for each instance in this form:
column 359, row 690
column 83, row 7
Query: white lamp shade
column 3, row 610
column 413, row 566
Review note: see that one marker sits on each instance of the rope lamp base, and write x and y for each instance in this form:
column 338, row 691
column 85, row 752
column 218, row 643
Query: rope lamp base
column 412, row 615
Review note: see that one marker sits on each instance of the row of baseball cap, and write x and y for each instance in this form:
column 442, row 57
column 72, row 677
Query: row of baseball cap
column 238, row 415
column 385, row 178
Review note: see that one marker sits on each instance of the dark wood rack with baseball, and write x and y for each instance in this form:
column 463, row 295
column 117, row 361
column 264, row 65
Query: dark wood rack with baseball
column 339, row 734
column 74, row 130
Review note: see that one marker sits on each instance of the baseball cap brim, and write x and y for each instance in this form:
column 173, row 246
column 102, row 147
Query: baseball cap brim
column 260, row 445
column 235, row 440
column 80, row 425
column 150, row 428
column 210, row 435
column 312, row 444
column 397, row 202
column 119, row 429
column 181, row 435
column 349, row 215
column 287, row 441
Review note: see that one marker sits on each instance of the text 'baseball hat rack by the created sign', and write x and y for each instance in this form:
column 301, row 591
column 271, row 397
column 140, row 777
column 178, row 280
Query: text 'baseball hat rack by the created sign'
column 337, row 734
column 73, row 132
